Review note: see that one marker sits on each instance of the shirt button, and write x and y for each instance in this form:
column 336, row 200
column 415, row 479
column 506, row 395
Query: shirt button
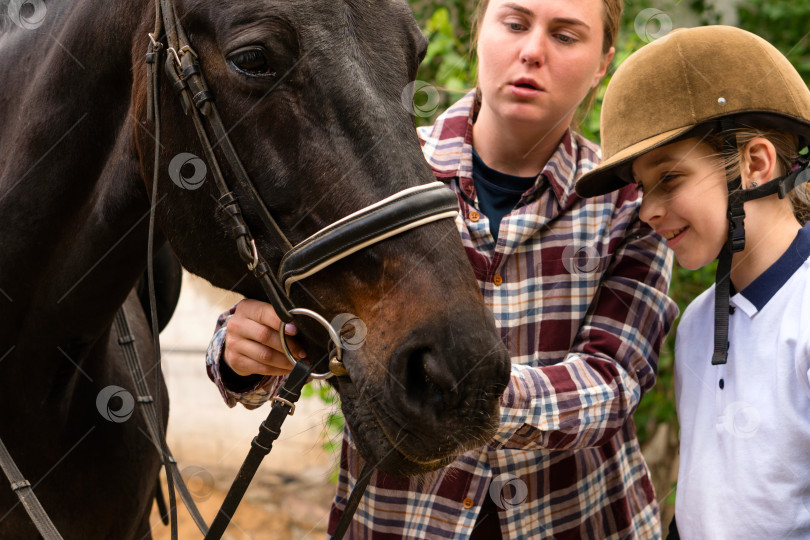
column 497, row 280
column 474, row 216
column 468, row 503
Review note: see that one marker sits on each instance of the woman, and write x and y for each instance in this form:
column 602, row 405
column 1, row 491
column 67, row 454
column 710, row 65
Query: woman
column 578, row 289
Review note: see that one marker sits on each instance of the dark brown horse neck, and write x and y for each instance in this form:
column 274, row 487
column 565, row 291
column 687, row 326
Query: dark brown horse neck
column 72, row 204
column 70, row 186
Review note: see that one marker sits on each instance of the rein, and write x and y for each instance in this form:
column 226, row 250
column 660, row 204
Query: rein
column 25, row 493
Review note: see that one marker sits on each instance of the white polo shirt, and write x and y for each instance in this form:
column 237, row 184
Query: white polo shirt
column 745, row 426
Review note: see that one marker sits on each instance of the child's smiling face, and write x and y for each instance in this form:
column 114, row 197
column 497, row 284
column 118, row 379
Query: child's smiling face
column 685, row 199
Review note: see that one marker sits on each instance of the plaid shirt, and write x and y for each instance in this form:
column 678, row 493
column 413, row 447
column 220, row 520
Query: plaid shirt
column 578, row 289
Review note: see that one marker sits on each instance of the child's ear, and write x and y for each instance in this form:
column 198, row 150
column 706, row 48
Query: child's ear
column 759, row 162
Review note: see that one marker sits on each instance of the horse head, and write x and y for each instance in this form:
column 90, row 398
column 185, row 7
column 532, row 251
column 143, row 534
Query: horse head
column 311, row 94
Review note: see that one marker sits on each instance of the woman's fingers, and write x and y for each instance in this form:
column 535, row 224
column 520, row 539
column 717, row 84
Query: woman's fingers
column 249, row 329
column 265, row 353
column 252, row 343
column 244, row 366
column 262, row 313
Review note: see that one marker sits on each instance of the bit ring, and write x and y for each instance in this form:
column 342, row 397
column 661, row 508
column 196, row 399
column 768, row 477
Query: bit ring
column 333, row 335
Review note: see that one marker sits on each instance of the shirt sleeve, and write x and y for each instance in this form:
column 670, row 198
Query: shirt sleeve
column 585, row 399
column 249, row 391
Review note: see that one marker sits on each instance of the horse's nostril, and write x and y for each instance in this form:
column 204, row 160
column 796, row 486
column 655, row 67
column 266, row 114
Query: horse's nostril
column 417, row 382
column 428, row 382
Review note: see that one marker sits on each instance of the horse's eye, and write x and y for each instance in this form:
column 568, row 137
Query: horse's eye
column 252, row 61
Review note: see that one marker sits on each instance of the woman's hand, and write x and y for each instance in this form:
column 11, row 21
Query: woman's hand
column 252, row 343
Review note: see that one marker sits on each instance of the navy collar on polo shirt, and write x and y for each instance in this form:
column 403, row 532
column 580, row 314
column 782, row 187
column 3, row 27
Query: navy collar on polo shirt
column 764, row 287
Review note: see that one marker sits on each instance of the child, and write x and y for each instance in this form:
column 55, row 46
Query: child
column 708, row 122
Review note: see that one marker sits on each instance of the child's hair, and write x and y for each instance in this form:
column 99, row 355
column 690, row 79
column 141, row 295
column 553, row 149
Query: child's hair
column 787, row 154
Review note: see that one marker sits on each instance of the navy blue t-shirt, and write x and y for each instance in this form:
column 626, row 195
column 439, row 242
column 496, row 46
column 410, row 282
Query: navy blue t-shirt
column 498, row 193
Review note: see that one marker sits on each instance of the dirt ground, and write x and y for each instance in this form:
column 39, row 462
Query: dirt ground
column 274, row 508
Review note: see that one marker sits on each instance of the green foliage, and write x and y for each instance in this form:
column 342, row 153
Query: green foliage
column 333, row 426
column 784, row 24
column 706, row 10
column 447, row 62
column 448, row 65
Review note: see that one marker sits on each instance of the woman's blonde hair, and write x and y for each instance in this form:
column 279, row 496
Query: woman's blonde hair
column 787, row 154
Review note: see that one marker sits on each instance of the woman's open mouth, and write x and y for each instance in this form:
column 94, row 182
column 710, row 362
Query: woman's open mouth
column 525, row 87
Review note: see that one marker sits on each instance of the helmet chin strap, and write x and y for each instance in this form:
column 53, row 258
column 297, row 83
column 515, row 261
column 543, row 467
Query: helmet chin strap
column 734, row 243
column 736, row 231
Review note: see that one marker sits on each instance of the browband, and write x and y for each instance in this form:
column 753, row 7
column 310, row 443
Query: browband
column 408, row 209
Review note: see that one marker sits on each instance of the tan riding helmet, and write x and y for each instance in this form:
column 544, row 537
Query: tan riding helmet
column 688, row 79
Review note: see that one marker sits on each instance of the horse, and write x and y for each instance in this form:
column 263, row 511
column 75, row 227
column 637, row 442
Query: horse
column 311, row 94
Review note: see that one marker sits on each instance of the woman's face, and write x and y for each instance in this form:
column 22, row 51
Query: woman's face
column 685, row 199
column 537, row 59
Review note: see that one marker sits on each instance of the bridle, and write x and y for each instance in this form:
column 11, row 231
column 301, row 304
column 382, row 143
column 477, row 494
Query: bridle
column 394, row 215
column 405, row 210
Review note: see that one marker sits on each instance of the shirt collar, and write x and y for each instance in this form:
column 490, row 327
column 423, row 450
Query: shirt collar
column 447, row 146
column 756, row 295
column 561, row 169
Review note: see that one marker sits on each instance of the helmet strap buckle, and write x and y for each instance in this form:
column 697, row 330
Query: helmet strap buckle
column 736, row 222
